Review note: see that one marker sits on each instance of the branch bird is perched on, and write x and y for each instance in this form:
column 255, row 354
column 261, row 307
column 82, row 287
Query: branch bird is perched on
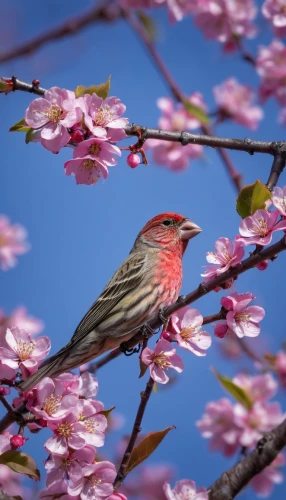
column 148, row 280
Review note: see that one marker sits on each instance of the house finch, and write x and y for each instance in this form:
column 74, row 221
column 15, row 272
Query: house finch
column 148, row 280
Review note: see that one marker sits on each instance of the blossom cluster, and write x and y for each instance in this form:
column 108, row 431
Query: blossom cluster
column 89, row 124
column 65, row 405
column 232, row 426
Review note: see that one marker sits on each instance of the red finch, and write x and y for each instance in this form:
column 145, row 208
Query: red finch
column 148, row 280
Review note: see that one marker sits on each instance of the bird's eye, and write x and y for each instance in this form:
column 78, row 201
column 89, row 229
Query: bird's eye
column 167, row 222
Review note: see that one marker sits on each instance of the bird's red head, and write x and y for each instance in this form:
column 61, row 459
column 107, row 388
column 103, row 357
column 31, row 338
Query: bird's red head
column 169, row 231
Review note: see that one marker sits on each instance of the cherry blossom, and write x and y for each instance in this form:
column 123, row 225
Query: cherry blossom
column 176, row 117
column 185, row 490
column 224, row 21
column 53, row 114
column 279, row 200
column 51, row 402
column 280, row 365
column 217, row 424
column 271, row 66
column 257, row 229
column 19, row 317
column 148, row 482
column 162, row 358
column 226, row 255
column 264, row 482
column 258, row 388
column 172, row 155
column 240, row 319
column 235, row 101
column 12, row 242
column 186, row 326
column 102, row 114
column 98, row 480
column 91, row 159
column 275, row 12
column 19, row 350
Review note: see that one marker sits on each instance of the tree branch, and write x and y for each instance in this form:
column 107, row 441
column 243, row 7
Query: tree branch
column 145, row 395
column 278, row 166
column 234, row 479
column 68, row 28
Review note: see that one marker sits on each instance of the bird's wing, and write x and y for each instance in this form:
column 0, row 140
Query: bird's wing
column 125, row 279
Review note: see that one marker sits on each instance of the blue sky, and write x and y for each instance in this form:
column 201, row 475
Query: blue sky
column 81, row 234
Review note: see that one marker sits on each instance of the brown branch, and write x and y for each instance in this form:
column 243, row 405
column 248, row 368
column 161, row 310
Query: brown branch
column 68, row 28
column 234, row 479
column 145, row 395
column 278, row 166
column 184, row 138
column 177, row 92
column 12, row 415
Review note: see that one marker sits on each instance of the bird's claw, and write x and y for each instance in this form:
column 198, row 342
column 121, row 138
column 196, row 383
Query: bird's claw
column 146, row 331
column 128, row 352
column 161, row 315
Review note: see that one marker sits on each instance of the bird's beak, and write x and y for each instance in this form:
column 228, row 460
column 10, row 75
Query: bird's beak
column 189, row 229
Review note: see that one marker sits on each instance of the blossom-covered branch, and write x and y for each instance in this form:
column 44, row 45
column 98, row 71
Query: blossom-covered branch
column 233, row 480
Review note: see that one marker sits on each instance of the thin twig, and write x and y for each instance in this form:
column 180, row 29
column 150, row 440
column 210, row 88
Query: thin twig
column 68, row 28
column 235, row 479
column 277, row 168
column 145, row 395
column 5, row 403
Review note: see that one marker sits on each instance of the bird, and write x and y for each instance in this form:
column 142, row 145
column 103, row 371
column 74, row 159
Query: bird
column 146, row 282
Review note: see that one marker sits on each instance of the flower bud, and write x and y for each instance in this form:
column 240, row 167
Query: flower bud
column 17, row 441
column 133, row 160
column 77, row 136
column 4, row 390
column 262, row 265
column 166, row 335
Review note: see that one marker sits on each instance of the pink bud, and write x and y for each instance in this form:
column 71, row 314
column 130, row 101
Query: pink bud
column 166, row 335
column 220, row 330
column 133, row 160
column 4, row 390
column 42, row 422
column 17, row 441
column 77, row 136
column 262, row 265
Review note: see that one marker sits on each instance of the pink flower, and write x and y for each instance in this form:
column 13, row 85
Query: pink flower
column 186, row 324
column 51, row 403
column 19, row 317
column 226, row 255
column 21, row 351
column 53, row 114
column 175, row 117
column 98, row 480
column 65, row 472
column 117, row 496
column 148, row 483
column 81, row 427
column 217, row 424
column 4, row 443
column 280, row 364
column 12, row 242
column 91, row 159
column 235, row 101
column 279, row 200
column 257, row 229
column 88, row 385
column 253, row 423
column 274, row 11
column 102, row 114
column 258, row 388
column 263, row 482
column 240, row 319
column 173, row 155
column 271, row 66
column 185, row 490
column 224, row 21
column 162, row 358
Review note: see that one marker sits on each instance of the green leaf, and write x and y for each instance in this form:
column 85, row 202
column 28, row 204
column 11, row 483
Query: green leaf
column 20, row 462
column 155, row 388
column 29, row 135
column 237, row 392
column 106, row 412
column 149, row 25
column 3, row 86
column 101, row 90
column 20, row 126
column 143, row 368
column 144, row 449
column 195, row 111
column 251, row 198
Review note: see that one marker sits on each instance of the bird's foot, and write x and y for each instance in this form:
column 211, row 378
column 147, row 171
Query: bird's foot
column 146, row 331
column 128, row 352
column 162, row 317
